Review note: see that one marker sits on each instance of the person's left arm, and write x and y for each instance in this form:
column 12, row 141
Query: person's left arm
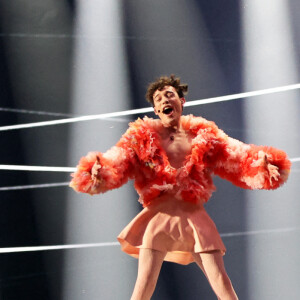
column 246, row 165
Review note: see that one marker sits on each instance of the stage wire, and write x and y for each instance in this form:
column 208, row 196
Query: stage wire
column 150, row 109
column 110, row 244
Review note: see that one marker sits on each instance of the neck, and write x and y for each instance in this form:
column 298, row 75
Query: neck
column 172, row 124
column 172, row 128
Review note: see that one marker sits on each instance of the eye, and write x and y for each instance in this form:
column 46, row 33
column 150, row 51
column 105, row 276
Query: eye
column 169, row 94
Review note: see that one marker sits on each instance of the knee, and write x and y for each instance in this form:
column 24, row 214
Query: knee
column 147, row 279
column 144, row 287
column 224, row 281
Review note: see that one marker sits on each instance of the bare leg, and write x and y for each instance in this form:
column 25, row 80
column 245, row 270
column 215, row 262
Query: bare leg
column 150, row 262
column 198, row 260
column 213, row 266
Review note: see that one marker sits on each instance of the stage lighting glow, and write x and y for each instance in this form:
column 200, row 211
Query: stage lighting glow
column 270, row 61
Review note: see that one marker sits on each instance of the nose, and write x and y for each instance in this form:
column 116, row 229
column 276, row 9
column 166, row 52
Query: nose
column 165, row 100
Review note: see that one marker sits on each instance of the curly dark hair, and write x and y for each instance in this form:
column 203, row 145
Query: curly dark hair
column 161, row 82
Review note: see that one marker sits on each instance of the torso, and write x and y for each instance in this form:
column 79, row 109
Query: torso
column 177, row 146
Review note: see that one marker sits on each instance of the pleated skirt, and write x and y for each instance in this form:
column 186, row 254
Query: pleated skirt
column 175, row 226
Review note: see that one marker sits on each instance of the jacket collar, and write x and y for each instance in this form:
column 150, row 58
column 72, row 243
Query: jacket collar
column 151, row 141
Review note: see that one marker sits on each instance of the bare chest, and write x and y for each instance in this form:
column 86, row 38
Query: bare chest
column 177, row 147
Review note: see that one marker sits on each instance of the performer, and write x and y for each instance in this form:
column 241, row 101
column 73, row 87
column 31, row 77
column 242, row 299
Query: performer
column 172, row 160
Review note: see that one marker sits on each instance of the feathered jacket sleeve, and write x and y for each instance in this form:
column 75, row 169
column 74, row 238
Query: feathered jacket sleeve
column 245, row 165
column 99, row 172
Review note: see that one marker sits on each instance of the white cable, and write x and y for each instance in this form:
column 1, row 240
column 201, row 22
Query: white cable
column 49, row 185
column 33, row 186
column 77, row 119
column 58, row 247
column 62, row 169
column 244, row 95
column 256, row 232
column 110, row 244
column 34, row 112
column 296, row 159
column 45, row 113
column 150, row 109
column 37, row 35
column 37, row 168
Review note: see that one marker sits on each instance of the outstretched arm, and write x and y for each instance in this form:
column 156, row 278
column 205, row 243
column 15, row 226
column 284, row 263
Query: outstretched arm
column 248, row 166
column 99, row 172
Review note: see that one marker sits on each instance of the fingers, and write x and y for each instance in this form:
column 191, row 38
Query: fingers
column 98, row 160
column 273, row 173
column 95, row 169
column 272, row 170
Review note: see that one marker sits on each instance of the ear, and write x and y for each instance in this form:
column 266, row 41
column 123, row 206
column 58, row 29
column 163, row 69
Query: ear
column 155, row 111
column 182, row 101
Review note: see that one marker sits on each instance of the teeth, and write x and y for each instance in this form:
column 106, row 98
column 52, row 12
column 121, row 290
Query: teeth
column 167, row 110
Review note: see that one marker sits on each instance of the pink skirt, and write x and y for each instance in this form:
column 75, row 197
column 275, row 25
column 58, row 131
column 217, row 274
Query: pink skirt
column 177, row 227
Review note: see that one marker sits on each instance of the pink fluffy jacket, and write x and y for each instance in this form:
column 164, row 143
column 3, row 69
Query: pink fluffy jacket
column 139, row 156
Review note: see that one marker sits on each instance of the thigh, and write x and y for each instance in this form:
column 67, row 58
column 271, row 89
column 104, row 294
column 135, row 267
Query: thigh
column 150, row 262
column 198, row 261
column 213, row 263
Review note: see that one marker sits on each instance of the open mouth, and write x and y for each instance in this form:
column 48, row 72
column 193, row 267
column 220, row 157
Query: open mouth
column 167, row 110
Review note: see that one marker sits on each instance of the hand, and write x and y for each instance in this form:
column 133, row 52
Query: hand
column 272, row 170
column 95, row 169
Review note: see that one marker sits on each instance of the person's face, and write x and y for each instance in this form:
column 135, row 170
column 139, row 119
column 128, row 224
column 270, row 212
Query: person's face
column 168, row 106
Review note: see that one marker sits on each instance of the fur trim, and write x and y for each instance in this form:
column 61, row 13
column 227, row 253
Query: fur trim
column 140, row 155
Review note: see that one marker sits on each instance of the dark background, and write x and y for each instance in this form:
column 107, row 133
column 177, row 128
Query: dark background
column 67, row 58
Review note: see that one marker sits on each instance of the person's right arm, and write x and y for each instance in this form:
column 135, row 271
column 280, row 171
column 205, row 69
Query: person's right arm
column 99, row 172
